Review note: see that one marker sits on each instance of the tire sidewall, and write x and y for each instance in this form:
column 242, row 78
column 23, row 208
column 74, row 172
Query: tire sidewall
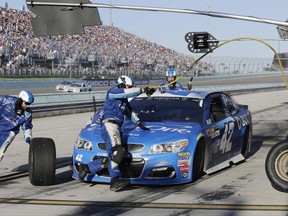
column 278, row 183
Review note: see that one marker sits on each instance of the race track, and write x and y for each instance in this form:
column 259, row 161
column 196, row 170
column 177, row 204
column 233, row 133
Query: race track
column 240, row 190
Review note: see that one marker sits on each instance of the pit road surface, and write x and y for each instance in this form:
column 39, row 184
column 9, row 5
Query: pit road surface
column 240, row 190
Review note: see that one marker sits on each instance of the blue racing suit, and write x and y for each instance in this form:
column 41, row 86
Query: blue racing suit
column 174, row 86
column 116, row 107
column 10, row 122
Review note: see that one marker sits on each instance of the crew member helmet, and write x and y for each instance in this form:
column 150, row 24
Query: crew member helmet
column 171, row 73
column 125, row 80
column 26, row 96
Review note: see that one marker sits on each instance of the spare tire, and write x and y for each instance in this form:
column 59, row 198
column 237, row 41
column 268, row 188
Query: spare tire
column 276, row 166
column 42, row 157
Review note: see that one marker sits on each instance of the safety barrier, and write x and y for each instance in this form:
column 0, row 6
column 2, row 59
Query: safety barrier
column 61, row 103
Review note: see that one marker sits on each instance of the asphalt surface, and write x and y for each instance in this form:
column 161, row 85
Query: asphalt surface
column 237, row 191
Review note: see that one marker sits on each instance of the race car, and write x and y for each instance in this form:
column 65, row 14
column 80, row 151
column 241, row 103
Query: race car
column 79, row 87
column 191, row 133
column 63, row 86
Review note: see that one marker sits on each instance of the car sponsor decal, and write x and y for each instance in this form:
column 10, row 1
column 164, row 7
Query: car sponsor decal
column 79, row 157
column 242, row 120
column 184, row 162
column 184, row 154
column 163, row 162
column 183, row 159
column 185, row 175
column 182, row 130
column 208, row 121
column 213, row 132
column 184, row 168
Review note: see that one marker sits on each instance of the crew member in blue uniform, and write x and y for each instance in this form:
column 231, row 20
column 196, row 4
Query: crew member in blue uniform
column 15, row 113
column 170, row 83
column 116, row 107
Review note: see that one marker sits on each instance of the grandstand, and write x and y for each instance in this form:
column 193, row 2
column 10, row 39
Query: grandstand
column 103, row 51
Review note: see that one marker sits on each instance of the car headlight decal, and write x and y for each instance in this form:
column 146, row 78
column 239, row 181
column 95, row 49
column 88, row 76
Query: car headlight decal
column 83, row 144
column 171, row 147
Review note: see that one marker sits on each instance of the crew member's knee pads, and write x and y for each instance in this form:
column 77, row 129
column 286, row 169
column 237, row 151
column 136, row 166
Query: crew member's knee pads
column 119, row 154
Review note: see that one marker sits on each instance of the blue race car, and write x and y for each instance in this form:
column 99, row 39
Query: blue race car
column 191, row 133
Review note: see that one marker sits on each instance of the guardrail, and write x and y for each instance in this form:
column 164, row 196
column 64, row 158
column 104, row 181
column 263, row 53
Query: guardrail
column 66, row 103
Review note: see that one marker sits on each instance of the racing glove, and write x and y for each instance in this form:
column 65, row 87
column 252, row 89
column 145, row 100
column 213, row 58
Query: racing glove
column 189, row 84
column 142, row 126
column 28, row 140
column 149, row 91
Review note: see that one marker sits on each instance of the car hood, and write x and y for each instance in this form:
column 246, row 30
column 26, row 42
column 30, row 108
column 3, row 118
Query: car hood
column 159, row 132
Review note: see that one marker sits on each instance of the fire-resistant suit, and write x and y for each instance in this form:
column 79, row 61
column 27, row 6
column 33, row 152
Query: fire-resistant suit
column 11, row 119
column 116, row 107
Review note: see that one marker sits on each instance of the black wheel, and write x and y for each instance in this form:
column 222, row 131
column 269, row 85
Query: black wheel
column 42, row 157
column 247, row 143
column 198, row 162
column 276, row 166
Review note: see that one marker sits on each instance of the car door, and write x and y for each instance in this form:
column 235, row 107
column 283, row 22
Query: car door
column 220, row 130
column 242, row 119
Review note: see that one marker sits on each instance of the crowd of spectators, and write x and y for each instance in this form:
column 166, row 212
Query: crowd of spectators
column 101, row 51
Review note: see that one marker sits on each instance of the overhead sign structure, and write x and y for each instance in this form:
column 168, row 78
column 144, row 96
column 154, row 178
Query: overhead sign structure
column 51, row 20
column 200, row 42
column 70, row 4
column 283, row 31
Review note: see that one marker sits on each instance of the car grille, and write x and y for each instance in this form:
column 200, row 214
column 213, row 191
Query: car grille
column 130, row 168
column 133, row 168
column 128, row 147
column 162, row 173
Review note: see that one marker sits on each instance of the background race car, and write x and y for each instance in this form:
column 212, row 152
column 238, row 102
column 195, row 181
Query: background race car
column 79, row 87
column 63, row 86
column 191, row 133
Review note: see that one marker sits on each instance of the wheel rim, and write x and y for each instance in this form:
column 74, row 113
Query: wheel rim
column 281, row 165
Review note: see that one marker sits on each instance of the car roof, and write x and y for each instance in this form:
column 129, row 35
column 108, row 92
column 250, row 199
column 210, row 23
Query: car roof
column 180, row 93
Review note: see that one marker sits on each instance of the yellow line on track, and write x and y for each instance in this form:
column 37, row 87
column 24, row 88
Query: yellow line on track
column 146, row 205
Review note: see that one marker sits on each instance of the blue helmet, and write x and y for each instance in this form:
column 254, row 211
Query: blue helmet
column 26, row 96
column 170, row 73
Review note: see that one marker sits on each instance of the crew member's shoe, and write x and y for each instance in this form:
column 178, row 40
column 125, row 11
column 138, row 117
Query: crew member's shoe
column 83, row 172
column 117, row 184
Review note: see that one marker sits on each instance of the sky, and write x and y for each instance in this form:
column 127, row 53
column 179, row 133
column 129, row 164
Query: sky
column 169, row 29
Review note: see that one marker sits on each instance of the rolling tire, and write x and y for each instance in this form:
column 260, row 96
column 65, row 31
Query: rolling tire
column 42, row 157
column 276, row 166
column 247, row 144
column 198, row 161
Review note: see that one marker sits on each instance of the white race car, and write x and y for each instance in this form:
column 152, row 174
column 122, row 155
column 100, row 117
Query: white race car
column 79, row 87
column 63, row 85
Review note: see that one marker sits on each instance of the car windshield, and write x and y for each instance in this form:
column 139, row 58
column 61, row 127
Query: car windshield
column 164, row 109
column 75, row 85
column 66, row 83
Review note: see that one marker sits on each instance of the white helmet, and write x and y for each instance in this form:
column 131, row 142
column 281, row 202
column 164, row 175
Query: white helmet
column 125, row 80
column 26, row 96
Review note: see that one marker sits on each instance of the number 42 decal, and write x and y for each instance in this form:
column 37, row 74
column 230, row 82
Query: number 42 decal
column 225, row 143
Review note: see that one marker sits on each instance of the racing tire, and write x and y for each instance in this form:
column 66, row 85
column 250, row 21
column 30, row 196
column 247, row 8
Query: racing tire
column 198, row 161
column 42, row 157
column 276, row 166
column 246, row 144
